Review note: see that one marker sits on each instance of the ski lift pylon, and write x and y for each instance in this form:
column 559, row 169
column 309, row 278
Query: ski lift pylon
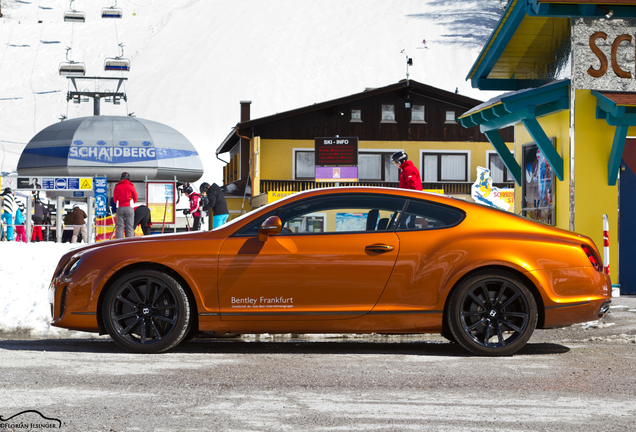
column 117, row 63
column 72, row 68
column 112, row 11
column 73, row 15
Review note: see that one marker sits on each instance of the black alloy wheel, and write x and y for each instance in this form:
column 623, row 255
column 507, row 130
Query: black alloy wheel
column 146, row 311
column 492, row 313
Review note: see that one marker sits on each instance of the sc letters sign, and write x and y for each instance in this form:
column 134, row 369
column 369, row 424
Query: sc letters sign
column 604, row 54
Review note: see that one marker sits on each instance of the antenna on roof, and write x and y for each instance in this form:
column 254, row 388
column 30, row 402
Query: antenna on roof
column 409, row 62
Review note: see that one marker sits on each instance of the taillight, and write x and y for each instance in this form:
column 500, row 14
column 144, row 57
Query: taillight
column 594, row 260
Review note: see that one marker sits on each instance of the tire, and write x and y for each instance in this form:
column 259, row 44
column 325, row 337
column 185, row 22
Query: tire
column 146, row 311
column 492, row 313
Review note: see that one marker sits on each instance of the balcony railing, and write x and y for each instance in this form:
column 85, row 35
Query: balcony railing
column 450, row 188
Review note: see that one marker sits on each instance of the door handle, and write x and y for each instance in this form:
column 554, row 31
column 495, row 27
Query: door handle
column 379, row 248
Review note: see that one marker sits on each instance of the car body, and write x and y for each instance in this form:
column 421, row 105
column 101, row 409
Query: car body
column 339, row 260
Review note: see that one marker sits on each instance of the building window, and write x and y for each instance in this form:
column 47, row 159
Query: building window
column 450, row 117
column 305, row 165
column 417, row 114
column 498, row 171
column 441, row 167
column 372, row 166
column 356, row 116
column 388, row 113
column 377, row 166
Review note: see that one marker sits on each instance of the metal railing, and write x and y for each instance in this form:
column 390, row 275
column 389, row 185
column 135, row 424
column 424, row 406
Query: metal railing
column 450, row 188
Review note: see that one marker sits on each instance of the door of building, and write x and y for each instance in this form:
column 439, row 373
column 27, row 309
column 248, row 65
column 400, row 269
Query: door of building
column 627, row 219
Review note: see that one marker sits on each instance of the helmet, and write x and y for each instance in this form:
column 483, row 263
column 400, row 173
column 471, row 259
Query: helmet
column 125, row 176
column 399, row 157
column 6, row 191
column 204, row 187
column 188, row 189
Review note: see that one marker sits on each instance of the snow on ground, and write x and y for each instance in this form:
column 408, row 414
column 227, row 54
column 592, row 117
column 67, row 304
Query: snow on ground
column 26, row 270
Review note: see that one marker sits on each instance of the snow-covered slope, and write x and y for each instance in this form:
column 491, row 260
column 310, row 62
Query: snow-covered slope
column 194, row 60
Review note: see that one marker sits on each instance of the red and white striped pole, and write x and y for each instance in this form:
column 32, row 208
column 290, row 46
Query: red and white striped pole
column 606, row 255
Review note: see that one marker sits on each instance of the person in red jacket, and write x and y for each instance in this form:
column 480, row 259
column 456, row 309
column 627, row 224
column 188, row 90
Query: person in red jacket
column 195, row 207
column 409, row 174
column 124, row 195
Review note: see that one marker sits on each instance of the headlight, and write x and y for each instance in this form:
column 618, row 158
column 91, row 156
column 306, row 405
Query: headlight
column 72, row 268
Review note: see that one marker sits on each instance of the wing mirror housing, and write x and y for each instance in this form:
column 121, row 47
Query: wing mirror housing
column 271, row 226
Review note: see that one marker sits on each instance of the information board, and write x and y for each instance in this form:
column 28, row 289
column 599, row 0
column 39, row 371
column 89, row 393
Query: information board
column 336, row 151
column 160, row 199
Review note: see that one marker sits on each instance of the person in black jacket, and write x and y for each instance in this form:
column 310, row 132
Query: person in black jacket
column 214, row 200
column 142, row 217
column 38, row 220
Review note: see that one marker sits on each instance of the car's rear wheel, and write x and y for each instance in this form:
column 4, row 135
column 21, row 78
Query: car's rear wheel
column 146, row 311
column 492, row 313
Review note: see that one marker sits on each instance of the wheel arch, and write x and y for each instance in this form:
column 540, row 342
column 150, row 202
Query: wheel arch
column 525, row 279
column 149, row 266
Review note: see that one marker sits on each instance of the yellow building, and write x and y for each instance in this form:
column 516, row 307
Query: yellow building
column 271, row 156
column 569, row 66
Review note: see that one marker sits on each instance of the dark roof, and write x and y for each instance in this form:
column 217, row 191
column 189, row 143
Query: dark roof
column 414, row 87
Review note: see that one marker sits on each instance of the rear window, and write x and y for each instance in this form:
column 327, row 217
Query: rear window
column 425, row 215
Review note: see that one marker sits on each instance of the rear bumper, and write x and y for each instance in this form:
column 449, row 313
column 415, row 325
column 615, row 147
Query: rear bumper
column 566, row 314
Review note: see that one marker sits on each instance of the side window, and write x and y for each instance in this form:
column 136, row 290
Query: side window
column 342, row 213
column 305, row 165
column 388, row 114
column 423, row 215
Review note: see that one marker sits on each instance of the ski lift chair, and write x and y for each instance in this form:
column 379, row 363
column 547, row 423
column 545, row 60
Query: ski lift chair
column 112, row 12
column 72, row 68
column 117, row 63
column 73, row 15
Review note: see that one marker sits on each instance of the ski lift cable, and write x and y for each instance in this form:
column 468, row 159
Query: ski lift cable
column 35, row 105
column 8, row 44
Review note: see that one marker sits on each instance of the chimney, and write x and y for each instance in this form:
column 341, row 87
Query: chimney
column 245, row 111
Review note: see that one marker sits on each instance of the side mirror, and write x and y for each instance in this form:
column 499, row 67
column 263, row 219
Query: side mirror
column 271, row 226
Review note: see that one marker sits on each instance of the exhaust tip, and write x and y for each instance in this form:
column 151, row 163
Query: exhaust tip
column 604, row 309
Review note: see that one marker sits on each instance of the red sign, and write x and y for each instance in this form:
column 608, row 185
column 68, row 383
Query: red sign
column 336, row 151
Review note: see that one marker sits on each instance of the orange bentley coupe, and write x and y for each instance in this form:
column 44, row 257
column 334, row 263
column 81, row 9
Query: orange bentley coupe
column 338, row 260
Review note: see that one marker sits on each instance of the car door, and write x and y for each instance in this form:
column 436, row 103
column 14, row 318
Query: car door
column 330, row 261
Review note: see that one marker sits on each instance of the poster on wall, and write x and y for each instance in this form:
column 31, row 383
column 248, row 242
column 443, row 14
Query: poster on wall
column 537, row 186
column 160, row 199
column 483, row 192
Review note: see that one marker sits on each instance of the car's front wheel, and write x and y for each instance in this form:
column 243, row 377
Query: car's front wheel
column 492, row 313
column 146, row 311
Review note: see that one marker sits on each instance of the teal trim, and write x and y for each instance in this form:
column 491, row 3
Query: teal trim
column 506, row 156
column 622, row 117
column 506, row 28
column 524, row 106
column 510, row 109
column 607, row 105
column 583, row 10
column 616, row 155
column 545, row 145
